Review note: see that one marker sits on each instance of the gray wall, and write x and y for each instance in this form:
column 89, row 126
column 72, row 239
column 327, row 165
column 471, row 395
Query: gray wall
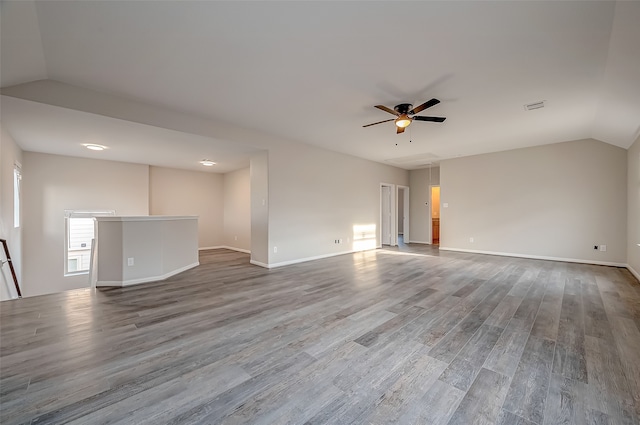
column 237, row 209
column 318, row 196
column 160, row 247
column 184, row 192
column 54, row 183
column 259, row 176
column 554, row 201
column 633, row 215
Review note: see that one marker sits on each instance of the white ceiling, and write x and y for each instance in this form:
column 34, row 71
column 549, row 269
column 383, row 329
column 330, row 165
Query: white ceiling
column 312, row 71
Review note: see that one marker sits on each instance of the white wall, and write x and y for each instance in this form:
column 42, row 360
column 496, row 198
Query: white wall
column 420, row 203
column 53, row 184
column 9, row 154
column 317, row 196
column 237, row 209
column 633, row 214
column 183, row 192
column 555, row 201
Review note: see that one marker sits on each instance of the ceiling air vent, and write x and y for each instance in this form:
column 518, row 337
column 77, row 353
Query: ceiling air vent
column 532, row 106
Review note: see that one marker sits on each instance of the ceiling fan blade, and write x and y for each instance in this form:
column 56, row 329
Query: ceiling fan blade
column 425, row 105
column 389, row 110
column 434, row 119
column 399, row 130
column 379, row 122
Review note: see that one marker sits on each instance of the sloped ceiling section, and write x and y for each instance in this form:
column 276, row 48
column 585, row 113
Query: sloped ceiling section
column 312, row 71
column 20, row 44
column 617, row 120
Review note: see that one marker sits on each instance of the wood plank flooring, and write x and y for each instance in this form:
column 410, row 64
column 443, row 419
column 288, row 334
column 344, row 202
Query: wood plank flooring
column 409, row 335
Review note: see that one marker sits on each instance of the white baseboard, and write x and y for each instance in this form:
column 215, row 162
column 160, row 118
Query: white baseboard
column 536, row 257
column 633, row 272
column 246, row 251
column 422, row 242
column 258, row 263
column 232, row 248
column 304, row 260
column 146, row 279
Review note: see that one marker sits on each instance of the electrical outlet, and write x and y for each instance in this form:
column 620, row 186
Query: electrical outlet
column 130, row 261
column 275, row 249
column 236, row 238
column 471, row 239
column 603, row 248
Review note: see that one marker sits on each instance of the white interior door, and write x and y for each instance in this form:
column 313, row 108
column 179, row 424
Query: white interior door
column 385, row 215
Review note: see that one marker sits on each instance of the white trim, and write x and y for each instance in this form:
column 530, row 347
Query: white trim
column 146, row 279
column 246, row 251
column 148, row 217
column 258, row 263
column 206, row 248
column 406, row 207
column 74, row 214
column 423, row 242
column 394, row 221
column 304, row 260
column 633, row 272
column 537, row 257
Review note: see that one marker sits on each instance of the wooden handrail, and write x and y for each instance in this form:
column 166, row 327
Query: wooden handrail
column 13, row 271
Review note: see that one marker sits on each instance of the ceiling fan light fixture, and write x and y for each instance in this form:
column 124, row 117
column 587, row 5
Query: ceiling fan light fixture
column 207, row 163
column 403, row 121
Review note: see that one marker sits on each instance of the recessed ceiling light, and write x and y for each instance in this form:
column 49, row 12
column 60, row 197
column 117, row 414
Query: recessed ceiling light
column 207, row 163
column 94, row 147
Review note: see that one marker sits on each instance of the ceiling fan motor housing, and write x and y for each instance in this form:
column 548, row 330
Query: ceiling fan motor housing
column 403, row 108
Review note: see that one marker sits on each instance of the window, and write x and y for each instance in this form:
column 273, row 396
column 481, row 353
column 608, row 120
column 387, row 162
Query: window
column 17, row 176
column 80, row 231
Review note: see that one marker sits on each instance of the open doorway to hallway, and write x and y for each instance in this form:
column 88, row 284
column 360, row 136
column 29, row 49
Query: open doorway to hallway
column 435, row 215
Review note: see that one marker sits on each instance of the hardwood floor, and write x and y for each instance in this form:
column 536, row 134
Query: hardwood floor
column 405, row 336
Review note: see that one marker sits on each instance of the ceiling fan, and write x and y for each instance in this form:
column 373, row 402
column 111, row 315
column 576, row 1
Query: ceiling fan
column 405, row 115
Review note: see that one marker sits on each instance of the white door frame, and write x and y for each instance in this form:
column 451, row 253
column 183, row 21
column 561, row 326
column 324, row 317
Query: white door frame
column 394, row 227
column 405, row 221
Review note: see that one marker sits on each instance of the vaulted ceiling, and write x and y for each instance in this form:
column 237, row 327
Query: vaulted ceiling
column 312, row 71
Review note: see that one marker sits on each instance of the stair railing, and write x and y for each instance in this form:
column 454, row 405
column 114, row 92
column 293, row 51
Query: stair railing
column 13, row 271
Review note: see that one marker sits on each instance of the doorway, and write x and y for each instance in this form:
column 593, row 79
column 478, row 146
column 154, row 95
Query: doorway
column 402, row 213
column 435, row 215
column 387, row 227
